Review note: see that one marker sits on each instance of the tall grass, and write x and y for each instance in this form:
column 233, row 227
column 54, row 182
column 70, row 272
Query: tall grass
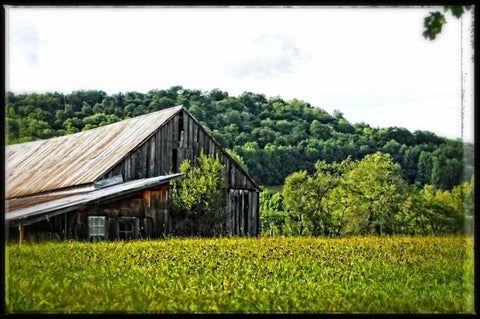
column 396, row 274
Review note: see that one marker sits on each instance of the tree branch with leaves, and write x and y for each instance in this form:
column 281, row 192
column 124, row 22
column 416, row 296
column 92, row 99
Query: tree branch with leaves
column 434, row 22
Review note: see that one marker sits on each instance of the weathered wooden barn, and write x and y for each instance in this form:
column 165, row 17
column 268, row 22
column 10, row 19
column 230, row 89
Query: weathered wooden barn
column 113, row 182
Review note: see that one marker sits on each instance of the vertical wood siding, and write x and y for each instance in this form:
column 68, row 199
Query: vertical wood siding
column 183, row 138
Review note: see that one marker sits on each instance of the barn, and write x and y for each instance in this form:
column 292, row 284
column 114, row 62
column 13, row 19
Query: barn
column 113, row 182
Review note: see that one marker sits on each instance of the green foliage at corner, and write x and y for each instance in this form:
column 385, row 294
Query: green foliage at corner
column 198, row 199
column 434, row 22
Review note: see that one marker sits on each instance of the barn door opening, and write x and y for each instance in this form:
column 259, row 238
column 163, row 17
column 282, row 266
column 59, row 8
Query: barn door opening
column 128, row 228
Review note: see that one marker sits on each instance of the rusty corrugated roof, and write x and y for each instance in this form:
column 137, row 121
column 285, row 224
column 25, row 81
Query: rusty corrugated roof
column 23, row 202
column 76, row 159
column 72, row 202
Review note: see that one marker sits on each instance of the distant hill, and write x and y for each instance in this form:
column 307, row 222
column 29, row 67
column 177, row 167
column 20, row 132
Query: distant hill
column 272, row 137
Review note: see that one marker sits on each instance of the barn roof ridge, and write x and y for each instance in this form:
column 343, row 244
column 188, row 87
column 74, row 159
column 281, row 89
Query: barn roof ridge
column 79, row 158
column 180, row 107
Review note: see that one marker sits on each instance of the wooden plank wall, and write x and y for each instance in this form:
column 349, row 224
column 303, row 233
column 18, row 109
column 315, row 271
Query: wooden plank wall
column 149, row 206
column 183, row 138
column 156, row 209
column 242, row 208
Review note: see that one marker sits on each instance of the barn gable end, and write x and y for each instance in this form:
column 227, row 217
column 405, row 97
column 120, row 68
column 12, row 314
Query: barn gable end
column 183, row 137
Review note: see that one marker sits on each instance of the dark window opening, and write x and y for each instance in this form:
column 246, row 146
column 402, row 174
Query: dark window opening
column 174, row 160
column 180, row 126
column 128, row 228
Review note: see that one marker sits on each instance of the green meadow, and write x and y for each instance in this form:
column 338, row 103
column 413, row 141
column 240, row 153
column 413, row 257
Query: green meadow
column 362, row 274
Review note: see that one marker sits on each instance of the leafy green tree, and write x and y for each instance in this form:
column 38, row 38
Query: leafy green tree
column 412, row 218
column 463, row 203
column 12, row 129
column 307, row 196
column 33, row 129
column 72, row 125
column 198, row 200
column 340, row 199
column 376, row 181
column 95, row 119
column 251, row 154
column 274, row 218
column 162, row 103
column 217, row 95
column 409, row 163
column 139, row 110
column 89, row 126
column 87, row 109
column 424, row 168
column 253, row 102
column 400, row 135
column 264, row 135
column 297, row 200
column 445, row 213
column 229, row 104
column 319, row 130
column 392, row 147
column 446, row 172
column 344, row 126
column 434, row 22
column 468, row 189
column 220, row 137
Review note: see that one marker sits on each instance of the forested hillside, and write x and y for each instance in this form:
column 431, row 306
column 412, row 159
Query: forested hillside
column 274, row 137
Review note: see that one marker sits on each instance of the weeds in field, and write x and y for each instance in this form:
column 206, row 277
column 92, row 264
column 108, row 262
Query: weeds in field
column 396, row 274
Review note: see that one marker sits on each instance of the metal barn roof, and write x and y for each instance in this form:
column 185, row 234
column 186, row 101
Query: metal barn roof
column 76, row 159
column 30, row 214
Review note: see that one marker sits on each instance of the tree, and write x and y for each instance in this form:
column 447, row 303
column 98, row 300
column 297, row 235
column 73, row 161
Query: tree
column 95, row 120
column 463, row 204
column 319, row 131
column 217, row 95
column 444, row 212
column 434, row 22
column 307, row 197
column 274, row 218
column 198, row 199
column 468, row 201
column 376, row 182
column 340, row 199
column 297, row 200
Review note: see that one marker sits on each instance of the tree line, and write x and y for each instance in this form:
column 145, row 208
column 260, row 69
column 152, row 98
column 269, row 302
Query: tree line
column 367, row 196
column 271, row 138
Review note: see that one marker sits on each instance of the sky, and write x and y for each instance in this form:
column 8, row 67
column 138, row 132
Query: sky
column 370, row 63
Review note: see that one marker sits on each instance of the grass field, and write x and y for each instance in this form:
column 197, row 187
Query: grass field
column 259, row 275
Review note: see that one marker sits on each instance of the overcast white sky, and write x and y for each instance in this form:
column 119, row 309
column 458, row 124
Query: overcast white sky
column 372, row 64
